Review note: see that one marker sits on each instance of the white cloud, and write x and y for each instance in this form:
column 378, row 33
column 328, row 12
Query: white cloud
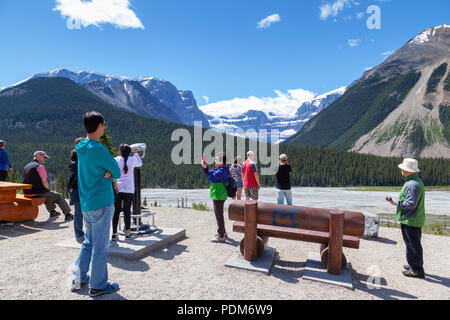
column 285, row 104
column 267, row 22
column 95, row 12
column 206, row 99
column 360, row 15
column 354, row 42
column 387, row 53
column 333, row 9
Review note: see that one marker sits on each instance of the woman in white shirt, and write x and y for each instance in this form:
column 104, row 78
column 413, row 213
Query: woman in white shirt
column 124, row 188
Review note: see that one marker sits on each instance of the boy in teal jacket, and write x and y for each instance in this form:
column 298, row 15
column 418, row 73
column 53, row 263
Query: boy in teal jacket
column 96, row 167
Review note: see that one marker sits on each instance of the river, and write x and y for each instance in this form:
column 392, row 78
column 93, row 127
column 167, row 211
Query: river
column 436, row 202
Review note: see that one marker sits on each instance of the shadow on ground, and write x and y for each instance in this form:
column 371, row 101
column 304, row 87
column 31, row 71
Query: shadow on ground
column 377, row 286
column 26, row 228
column 112, row 296
column 382, row 240
column 437, row 280
column 169, row 252
column 288, row 271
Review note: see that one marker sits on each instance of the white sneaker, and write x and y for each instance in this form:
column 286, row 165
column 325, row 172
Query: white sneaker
column 218, row 239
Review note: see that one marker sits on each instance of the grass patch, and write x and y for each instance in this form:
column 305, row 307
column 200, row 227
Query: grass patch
column 201, row 207
column 394, row 189
column 434, row 224
column 444, row 117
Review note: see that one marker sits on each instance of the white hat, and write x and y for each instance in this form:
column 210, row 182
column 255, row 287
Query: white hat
column 283, row 157
column 409, row 165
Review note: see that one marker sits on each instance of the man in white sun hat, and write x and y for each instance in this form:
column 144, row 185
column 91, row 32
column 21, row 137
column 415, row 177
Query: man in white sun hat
column 411, row 215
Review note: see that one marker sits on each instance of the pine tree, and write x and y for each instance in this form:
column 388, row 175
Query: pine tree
column 13, row 176
column 61, row 185
column 106, row 140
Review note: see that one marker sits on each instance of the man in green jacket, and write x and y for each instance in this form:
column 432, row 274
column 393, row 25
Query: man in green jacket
column 411, row 215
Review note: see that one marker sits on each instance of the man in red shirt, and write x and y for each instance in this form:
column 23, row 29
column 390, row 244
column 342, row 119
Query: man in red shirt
column 250, row 177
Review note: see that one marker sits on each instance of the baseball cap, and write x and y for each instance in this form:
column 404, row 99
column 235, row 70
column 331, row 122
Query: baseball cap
column 2, row 143
column 41, row 153
column 283, row 157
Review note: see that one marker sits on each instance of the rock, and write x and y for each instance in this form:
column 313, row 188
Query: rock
column 372, row 224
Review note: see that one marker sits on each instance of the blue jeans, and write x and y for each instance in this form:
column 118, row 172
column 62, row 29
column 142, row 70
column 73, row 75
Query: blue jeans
column 78, row 216
column 281, row 194
column 95, row 247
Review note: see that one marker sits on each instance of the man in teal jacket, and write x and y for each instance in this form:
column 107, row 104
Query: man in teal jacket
column 96, row 168
column 411, row 215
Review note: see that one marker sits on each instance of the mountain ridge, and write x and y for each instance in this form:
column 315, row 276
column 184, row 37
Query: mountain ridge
column 395, row 114
column 179, row 107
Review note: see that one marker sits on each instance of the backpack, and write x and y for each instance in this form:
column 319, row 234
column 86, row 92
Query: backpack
column 231, row 186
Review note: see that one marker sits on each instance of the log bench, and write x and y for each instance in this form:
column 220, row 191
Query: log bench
column 16, row 207
column 333, row 229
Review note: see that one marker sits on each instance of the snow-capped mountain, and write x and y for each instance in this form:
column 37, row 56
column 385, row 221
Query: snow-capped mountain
column 400, row 108
column 287, row 112
column 153, row 97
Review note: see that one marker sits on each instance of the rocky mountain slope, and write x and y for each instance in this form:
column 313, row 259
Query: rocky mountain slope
column 399, row 108
column 152, row 97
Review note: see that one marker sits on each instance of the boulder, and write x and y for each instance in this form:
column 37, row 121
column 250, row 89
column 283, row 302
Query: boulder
column 372, row 224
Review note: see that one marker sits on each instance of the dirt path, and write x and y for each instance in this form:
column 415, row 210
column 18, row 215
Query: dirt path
column 32, row 267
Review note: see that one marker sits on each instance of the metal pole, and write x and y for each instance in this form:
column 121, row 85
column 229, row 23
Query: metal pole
column 137, row 196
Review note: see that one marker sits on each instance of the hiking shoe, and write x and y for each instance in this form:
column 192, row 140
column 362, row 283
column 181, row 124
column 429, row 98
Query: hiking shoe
column 54, row 214
column 218, row 239
column 115, row 237
column 406, row 267
column 80, row 239
column 77, row 285
column 412, row 274
column 68, row 217
column 130, row 236
column 110, row 288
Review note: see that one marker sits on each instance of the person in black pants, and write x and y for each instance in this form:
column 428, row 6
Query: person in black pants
column 4, row 162
column 124, row 189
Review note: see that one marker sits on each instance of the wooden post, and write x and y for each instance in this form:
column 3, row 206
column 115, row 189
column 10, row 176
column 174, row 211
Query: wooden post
column 336, row 231
column 250, row 237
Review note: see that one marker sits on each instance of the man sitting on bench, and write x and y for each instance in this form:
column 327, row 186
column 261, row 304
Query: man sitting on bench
column 35, row 174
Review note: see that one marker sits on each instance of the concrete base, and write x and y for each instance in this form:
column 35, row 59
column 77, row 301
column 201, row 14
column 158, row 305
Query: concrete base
column 263, row 264
column 314, row 271
column 138, row 247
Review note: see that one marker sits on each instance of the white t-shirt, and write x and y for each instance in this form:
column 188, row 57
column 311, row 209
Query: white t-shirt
column 126, row 181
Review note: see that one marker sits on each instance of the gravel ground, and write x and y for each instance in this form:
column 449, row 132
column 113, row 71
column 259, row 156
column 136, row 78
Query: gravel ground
column 32, row 267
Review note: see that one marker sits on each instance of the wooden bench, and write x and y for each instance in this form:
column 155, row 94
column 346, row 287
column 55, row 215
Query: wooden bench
column 34, row 202
column 16, row 207
column 333, row 229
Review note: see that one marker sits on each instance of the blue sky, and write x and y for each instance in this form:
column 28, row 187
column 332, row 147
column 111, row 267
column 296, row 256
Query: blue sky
column 214, row 47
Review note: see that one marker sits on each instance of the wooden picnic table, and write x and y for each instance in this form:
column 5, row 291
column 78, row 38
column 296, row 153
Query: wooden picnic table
column 16, row 207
